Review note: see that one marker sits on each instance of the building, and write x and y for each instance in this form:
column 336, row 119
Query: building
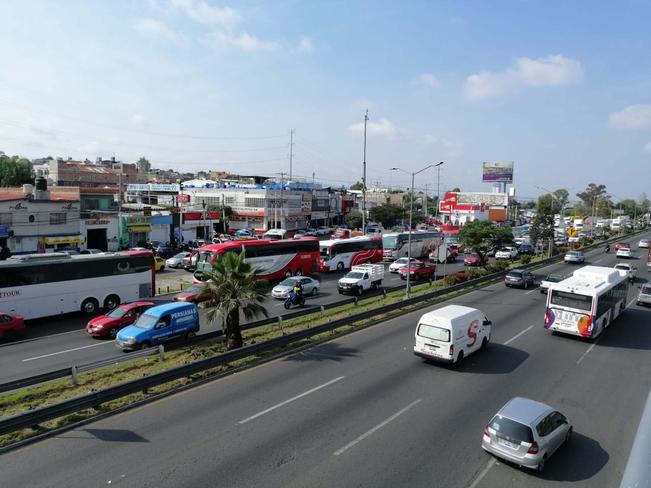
column 35, row 219
column 91, row 175
column 458, row 208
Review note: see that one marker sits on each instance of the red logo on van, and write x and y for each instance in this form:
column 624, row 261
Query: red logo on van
column 472, row 332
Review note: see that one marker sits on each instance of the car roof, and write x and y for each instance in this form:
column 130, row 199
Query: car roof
column 169, row 307
column 137, row 304
column 524, row 410
column 517, row 270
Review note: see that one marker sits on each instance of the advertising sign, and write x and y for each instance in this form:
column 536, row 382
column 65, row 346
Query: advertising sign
column 488, row 199
column 155, row 187
column 497, row 172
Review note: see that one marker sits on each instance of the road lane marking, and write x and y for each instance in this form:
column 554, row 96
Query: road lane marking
column 631, row 302
column 598, row 261
column 518, row 335
column 289, row 400
column 578, row 361
column 67, row 350
column 530, row 291
column 376, row 428
column 484, row 472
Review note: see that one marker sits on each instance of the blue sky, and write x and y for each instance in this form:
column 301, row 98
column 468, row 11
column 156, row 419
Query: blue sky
column 561, row 88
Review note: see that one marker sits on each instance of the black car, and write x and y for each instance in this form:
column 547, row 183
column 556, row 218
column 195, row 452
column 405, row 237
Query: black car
column 519, row 277
column 526, row 249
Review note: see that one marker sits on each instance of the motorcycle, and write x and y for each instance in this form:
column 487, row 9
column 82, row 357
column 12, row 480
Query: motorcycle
column 294, row 299
column 607, row 249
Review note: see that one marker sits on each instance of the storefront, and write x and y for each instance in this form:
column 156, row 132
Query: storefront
column 135, row 230
column 60, row 243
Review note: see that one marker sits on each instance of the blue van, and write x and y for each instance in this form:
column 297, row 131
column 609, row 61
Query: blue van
column 160, row 324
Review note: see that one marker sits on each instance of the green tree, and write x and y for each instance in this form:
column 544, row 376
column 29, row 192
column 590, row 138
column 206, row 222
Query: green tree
column 482, row 236
column 595, row 198
column 561, row 198
column 15, row 171
column 629, row 206
column 357, row 186
column 354, row 219
column 456, row 190
column 387, row 214
column 233, row 289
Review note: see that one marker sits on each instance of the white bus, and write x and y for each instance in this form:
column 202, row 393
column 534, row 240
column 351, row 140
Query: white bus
column 40, row 285
column 587, row 302
column 422, row 243
column 340, row 254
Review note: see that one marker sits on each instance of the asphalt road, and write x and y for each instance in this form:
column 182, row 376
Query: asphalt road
column 362, row 410
column 60, row 342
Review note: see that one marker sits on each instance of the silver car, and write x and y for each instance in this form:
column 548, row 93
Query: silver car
column 526, row 432
column 644, row 297
column 282, row 289
column 176, row 261
column 575, row 257
column 643, row 243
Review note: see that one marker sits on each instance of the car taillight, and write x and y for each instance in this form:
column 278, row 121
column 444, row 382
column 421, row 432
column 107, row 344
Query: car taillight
column 452, row 350
column 533, row 449
column 487, row 432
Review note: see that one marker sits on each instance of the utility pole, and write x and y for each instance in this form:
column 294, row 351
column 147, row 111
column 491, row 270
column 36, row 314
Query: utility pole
column 282, row 208
column 426, row 206
column 291, row 152
column 364, row 178
column 438, row 188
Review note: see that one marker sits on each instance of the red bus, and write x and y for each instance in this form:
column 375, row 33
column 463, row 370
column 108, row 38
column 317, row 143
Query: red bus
column 274, row 260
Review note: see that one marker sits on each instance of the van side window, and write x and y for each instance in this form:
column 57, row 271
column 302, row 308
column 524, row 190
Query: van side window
column 163, row 322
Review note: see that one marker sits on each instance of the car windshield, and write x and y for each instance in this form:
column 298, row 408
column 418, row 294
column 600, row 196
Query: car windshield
column 356, row 275
column 401, row 261
column 180, row 255
column 554, row 278
column 511, row 430
column 146, row 321
column 389, row 242
column 287, row 282
column 325, row 252
column 117, row 313
column 193, row 289
column 571, row 300
column 434, row 333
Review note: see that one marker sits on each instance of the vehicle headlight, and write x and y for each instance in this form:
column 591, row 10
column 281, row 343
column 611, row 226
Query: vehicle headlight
column 130, row 340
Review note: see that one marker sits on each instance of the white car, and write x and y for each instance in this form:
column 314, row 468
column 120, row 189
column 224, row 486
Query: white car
column 399, row 263
column 574, row 257
column 628, row 269
column 623, row 252
column 643, row 243
column 176, row 261
column 507, row 252
column 282, row 289
column 323, row 231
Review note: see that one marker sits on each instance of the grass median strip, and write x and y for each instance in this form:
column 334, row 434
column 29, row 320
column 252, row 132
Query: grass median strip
column 17, row 402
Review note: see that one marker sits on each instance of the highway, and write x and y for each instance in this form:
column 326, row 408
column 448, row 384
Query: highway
column 60, row 342
column 363, row 411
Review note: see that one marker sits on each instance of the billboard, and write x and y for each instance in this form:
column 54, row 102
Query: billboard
column 487, row 199
column 497, row 172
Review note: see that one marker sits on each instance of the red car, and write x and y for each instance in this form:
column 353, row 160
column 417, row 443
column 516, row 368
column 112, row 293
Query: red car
column 108, row 325
column 194, row 294
column 11, row 326
column 418, row 270
column 475, row 260
column 620, row 245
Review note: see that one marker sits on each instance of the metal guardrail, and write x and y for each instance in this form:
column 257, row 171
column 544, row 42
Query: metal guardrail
column 62, row 373
column 637, row 473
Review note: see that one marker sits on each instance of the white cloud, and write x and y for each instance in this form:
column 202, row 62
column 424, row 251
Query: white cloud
column 157, row 31
column 203, row 13
column 450, row 149
column 553, row 70
column 137, row 119
column 632, row 117
column 243, row 41
column 383, row 128
column 305, row 45
column 647, row 147
column 428, row 80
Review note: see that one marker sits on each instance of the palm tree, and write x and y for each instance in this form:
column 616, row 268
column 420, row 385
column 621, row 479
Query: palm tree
column 232, row 285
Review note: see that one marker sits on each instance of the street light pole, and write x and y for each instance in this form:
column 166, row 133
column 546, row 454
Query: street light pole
column 411, row 220
column 438, row 187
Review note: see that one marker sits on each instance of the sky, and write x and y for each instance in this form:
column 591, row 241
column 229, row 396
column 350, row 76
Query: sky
column 562, row 89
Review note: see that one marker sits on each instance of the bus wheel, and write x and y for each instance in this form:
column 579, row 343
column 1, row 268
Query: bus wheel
column 299, row 272
column 111, row 301
column 340, row 266
column 89, row 306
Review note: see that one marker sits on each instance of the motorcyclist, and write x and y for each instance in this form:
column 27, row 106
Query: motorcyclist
column 297, row 291
column 607, row 248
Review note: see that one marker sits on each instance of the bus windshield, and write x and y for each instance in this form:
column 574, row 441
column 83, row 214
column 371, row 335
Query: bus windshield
column 571, row 300
column 389, row 242
column 325, row 252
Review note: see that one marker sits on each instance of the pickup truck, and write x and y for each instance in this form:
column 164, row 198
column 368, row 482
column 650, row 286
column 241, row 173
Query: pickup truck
column 628, row 269
column 361, row 278
column 417, row 270
column 507, row 252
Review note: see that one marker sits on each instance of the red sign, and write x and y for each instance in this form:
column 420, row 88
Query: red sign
column 200, row 216
column 182, row 198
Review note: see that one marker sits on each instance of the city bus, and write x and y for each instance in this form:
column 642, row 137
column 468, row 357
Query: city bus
column 587, row 302
column 41, row 285
column 273, row 260
column 340, row 254
column 422, row 243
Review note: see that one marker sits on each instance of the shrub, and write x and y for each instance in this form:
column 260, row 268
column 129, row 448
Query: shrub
column 477, row 273
column 498, row 266
column 526, row 259
column 455, row 278
column 450, row 279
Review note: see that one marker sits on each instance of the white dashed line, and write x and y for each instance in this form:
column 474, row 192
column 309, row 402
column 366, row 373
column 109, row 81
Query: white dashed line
column 289, row 400
column 518, row 335
column 67, row 350
column 484, row 472
column 376, row 428
column 587, row 352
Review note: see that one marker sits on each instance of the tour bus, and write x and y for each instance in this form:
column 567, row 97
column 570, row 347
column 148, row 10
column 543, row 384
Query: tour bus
column 40, row 285
column 340, row 254
column 587, row 302
column 422, row 243
column 273, row 260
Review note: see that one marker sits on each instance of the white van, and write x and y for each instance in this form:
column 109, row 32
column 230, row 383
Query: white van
column 451, row 333
column 275, row 234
